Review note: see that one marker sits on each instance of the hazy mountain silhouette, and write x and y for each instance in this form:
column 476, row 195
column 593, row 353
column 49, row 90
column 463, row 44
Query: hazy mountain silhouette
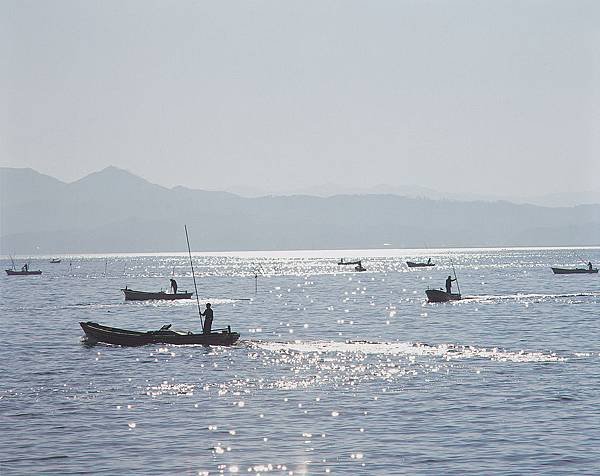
column 115, row 211
column 330, row 189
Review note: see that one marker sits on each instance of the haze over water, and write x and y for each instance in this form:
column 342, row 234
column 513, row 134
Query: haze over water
column 336, row 371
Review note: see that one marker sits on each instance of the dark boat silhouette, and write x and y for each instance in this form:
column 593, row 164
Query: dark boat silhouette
column 132, row 295
column 574, row 270
column 112, row 335
column 438, row 295
column 412, row 264
column 12, row 272
column 358, row 263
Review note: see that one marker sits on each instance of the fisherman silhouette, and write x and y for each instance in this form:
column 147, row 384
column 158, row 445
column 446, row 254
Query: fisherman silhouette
column 208, row 314
column 590, row 265
column 174, row 286
column 449, row 284
column 429, row 261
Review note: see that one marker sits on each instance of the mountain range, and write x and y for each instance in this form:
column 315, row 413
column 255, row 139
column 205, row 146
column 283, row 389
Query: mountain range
column 329, row 189
column 116, row 211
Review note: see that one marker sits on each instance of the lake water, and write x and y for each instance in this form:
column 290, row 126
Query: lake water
column 336, row 371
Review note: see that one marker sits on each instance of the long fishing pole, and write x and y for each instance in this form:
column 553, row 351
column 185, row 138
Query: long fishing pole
column 455, row 278
column 194, row 276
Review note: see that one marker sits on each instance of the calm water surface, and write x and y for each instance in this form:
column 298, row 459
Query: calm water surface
column 336, row 371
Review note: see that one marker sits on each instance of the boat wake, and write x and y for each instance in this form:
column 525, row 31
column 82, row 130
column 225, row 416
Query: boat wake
column 305, row 364
column 410, row 349
column 155, row 303
column 528, row 297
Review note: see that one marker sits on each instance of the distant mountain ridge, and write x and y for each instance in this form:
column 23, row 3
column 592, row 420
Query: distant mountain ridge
column 557, row 199
column 116, row 211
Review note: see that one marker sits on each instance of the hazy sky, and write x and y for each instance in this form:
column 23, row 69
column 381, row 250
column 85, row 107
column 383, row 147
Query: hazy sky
column 495, row 97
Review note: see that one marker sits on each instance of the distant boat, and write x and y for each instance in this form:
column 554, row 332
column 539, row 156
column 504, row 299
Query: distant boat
column 574, row 270
column 112, row 335
column 132, row 295
column 412, row 264
column 358, row 263
column 437, row 295
column 12, row 272
column 55, row 260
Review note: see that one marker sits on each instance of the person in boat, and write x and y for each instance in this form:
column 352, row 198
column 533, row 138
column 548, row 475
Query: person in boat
column 449, row 284
column 429, row 261
column 174, row 286
column 590, row 265
column 25, row 268
column 208, row 319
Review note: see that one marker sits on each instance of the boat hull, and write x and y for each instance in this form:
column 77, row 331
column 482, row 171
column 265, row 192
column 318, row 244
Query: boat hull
column 12, row 272
column 111, row 335
column 574, row 271
column 132, row 295
column 412, row 264
column 437, row 295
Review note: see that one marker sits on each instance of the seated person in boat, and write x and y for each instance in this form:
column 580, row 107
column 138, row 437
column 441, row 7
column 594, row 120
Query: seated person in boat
column 174, row 286
column 449, row 284
column 208, row 315
column 25, row 267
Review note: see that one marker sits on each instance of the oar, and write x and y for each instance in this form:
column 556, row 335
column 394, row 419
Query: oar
column 457, row 285
column 194, row 276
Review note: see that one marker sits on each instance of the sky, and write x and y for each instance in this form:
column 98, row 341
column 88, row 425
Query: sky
column 483, row 97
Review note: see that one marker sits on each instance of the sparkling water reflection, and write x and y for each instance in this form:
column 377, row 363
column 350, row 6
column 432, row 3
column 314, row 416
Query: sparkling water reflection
column 336, row 372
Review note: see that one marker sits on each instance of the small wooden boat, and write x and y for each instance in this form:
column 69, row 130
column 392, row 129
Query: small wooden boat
column 12, row 272
column 358, row 263
column 437, row 295
column 111, row 335
column 412, row 264
column 55, row 260
column 574, row 270
column 132, row 295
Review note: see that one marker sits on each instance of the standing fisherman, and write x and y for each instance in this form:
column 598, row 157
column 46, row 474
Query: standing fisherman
column 449, row 284
column 208, row 314
column 174, row 286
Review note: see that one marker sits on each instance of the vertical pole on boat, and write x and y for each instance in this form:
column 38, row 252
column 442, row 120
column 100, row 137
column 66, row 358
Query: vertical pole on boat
column 194, row 276
column 13, row 262
column 457, row 285
column 582, row 260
